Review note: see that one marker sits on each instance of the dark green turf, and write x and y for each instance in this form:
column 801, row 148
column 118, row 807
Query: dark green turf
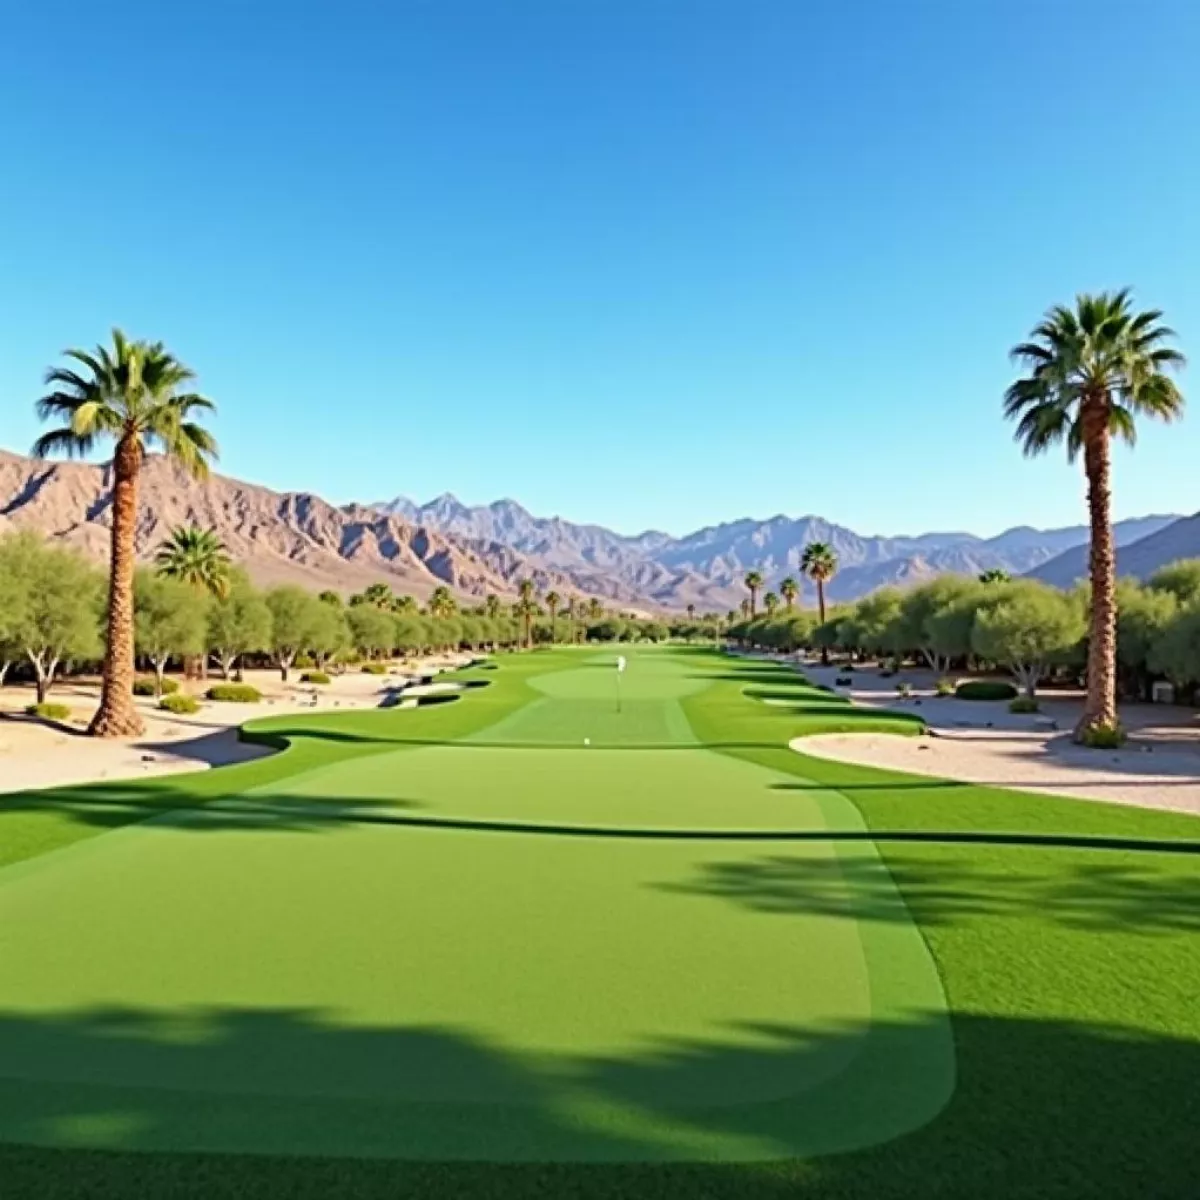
column 1065, row 933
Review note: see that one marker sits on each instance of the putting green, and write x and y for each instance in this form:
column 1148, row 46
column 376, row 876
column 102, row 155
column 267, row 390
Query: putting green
column 508, row 946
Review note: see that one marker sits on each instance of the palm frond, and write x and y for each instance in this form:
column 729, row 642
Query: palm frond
column 63, row 441
column 1121, row 424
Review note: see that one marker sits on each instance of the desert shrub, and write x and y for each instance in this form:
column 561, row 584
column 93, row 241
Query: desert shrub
column 180, row 704
column 304, row 662
column 49, row 711
column 1024, row 704
column 145, row 686
column 985, row 689
column 314, row 677
column 903, row 690
column 234, row 693
column 1104, row 737
column 944, row 687
column 374, row 668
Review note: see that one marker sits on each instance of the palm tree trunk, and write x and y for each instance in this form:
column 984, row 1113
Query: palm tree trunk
column 117, row 715
column 1101, row 706
column 821, row 613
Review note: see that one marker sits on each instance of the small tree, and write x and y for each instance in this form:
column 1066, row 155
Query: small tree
column 61, row 617
column 1176, row 653
column 294, row 617
column 169, row 621
column 1029, row 628
column 1181, row 579
column 372, row 631
column 330, row 634
column 923, row 624
column 16, row 550
column 238, row 623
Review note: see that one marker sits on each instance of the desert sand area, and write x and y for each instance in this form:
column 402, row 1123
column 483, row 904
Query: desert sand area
column 982, row 742
column 36, row 754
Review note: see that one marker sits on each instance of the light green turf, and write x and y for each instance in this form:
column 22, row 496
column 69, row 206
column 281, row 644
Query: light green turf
column 402, row 976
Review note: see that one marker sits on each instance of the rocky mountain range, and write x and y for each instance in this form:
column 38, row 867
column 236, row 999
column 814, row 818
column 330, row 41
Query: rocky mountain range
column 707, row 567
column 299, row 537
column 292, row 537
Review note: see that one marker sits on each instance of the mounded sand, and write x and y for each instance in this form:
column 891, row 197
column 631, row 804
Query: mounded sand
column 34, row 754
column 982, row 742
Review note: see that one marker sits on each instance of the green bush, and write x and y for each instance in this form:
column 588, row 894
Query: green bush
column 944, row 687
column 49, row 711
column 985, row 689
column 843, row 681
column 180, row 704
column 1104, row 737
column 304, row 662
column 373, row 668
column 314, row 677
column 234, row 693
column 1024, row 704
column 145, row 686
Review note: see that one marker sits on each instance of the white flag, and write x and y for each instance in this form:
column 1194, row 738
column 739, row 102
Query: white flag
column 620, row 663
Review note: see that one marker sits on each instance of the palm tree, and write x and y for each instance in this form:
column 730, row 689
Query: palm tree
column 595, row 609
column 1091, row 371
column 525, row 608
column 378, row 594
column 994, row 575
column 770, row 603
column 753, row 581
column 691, row 612
column 492, row 606
column 820, row 564
column 405, row 605
column 789, row 589
column 553, row 600
column 197, row 556
column 133, row 394
column 442, row 602
column 745, row 608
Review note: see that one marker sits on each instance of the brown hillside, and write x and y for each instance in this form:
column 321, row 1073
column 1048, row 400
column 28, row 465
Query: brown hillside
column 280, row 537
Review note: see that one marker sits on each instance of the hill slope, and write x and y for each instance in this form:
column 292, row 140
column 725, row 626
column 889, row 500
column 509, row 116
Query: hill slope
column 293, row 537
column 1138, row 557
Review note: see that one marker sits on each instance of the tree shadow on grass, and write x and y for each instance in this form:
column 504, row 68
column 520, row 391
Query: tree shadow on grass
column 1099, row 896
column 1056, row 1109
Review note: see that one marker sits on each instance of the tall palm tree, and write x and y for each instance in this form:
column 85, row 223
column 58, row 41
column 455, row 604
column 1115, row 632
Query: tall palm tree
column 789, row 589
column 753, row 581
column 994, row 575
column 1091, row 371
column 135, row 395
column 745, row 607
column 553, row 600
column 199, row 557
column 691, row 612
column 405, row 605
column 492, row 606
column 595, row 609
column 770, row 603
column 525, row 608
column 820, row 564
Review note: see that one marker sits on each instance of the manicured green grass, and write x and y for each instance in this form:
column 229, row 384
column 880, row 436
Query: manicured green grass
column 1064, row 932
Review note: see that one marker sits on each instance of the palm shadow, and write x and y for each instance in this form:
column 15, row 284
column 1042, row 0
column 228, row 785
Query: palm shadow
column 1046, row 1107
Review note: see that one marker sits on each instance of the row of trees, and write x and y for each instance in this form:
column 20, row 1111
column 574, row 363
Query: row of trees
column 1019, row 625
column 195, row 605
column 818, row 562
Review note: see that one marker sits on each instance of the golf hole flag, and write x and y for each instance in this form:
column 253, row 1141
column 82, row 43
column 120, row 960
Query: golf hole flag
column 620, row 663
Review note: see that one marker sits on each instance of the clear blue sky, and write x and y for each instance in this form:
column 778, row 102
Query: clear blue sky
column 637, row 262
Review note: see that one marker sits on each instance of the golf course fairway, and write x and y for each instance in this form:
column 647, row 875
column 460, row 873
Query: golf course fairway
column 502, row 928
